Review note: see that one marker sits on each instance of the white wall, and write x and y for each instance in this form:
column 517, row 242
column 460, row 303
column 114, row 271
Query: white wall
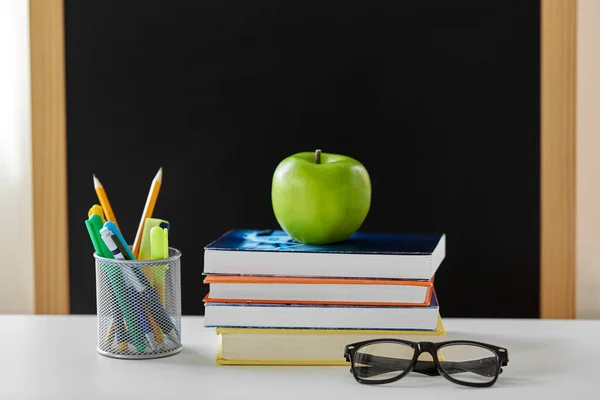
column 588, row 159
column 16, row 232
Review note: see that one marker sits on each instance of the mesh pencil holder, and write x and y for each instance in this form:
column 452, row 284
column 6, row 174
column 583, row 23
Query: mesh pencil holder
column 139, row 307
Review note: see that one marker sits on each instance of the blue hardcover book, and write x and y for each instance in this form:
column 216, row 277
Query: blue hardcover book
column 364, row 255
column 296, row 316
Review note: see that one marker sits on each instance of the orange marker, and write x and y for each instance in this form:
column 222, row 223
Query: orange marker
column 101, row 193
column 148, row 210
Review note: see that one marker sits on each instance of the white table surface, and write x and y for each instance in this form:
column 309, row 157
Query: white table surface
column 54, row 357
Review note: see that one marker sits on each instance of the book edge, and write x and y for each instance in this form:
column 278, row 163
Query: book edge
column 330, row 363
column 263, row 251
column 206, row 247
column 439, row 331
column 231, row 279
column 283, row 302
column 437, row 256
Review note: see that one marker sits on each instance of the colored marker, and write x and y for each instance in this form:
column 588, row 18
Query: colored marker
column 97, row 209
column 117, row 250
column 159, row 247
column 120, row 240
column 145, row 251
column 95, row 224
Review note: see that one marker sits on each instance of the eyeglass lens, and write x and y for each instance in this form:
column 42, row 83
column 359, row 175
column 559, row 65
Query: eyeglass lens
column 382, row 361
column 468, row 363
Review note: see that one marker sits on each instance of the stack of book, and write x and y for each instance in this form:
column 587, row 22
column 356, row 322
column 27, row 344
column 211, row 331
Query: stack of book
column 273, row 300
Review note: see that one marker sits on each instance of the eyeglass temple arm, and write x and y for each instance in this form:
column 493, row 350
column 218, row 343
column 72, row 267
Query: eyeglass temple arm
column 377, row 365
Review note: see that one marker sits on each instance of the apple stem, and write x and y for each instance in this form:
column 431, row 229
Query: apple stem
column 318, row 156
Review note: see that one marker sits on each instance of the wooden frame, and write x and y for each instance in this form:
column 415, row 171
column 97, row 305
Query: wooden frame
column 557, row 170
column 557, row 230
column 49, row 157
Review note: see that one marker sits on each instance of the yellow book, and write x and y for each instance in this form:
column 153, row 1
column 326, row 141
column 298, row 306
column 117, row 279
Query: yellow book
column 256, row 346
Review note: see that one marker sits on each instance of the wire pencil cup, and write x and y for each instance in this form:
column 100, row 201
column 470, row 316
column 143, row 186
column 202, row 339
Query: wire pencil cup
column 139, row 307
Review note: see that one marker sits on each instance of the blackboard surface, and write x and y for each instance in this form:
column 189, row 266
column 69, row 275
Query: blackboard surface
column 438, row 99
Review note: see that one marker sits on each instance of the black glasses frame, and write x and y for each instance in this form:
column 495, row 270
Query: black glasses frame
column 388, row 364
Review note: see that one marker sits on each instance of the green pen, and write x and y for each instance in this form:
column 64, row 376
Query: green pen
column 94, row 238
column 116, row 311
column 94, row 224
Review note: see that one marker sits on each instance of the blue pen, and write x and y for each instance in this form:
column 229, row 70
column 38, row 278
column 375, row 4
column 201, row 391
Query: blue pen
column 147, row 292
column 115, row 231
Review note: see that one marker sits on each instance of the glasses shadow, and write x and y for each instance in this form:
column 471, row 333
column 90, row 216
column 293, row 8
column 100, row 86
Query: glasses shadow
column 418, row 382
column 527, row 357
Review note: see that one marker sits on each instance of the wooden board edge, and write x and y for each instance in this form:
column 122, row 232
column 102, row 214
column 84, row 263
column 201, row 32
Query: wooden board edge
column 49, row 157
column 558, row 158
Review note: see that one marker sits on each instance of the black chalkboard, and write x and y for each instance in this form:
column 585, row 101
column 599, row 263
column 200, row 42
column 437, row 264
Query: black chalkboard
column 438, row 99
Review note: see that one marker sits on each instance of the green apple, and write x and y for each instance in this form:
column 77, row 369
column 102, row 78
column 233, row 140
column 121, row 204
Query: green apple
column 320, row 198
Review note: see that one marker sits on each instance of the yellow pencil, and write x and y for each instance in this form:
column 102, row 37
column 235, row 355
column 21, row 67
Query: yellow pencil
column 101, row 193
column 158, row 334
column 148, row 210
column 110, row 334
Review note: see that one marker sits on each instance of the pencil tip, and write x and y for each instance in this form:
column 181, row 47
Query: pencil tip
column 97, row 183
column 158, row 176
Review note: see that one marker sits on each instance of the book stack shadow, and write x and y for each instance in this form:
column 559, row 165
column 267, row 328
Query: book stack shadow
column 275, row 301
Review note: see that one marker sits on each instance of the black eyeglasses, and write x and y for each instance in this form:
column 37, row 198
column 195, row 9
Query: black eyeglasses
column 460, row 361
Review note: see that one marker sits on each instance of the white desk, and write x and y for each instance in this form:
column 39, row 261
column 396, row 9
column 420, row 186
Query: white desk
column 54, row 357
